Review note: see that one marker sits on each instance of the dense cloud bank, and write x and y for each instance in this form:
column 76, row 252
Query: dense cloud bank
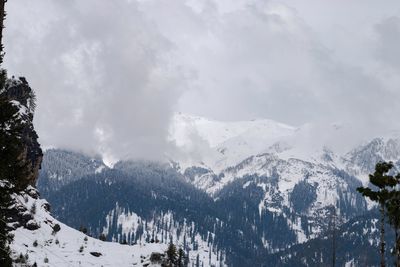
column 110, row 74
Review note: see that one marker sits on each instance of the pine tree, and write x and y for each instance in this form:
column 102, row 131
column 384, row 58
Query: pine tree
column 393, row 212
column 5, row 237
column 171, row 254
column 83, row 229
column 102, row 237
column 384, row 184
column 181, row 258
column 5, row 187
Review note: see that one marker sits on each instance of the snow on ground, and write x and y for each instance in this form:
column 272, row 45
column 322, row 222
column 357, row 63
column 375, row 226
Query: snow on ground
column 219, row 144
column 69, row 247
column 130, row 222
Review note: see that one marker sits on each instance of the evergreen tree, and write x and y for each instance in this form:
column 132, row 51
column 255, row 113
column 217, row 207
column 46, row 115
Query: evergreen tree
column 181, row 258
column 102, row 237
column 384, row 184
column 6, row 112
column 393, row 212
column 5, row 237
column 172, row 254
column 83, row 229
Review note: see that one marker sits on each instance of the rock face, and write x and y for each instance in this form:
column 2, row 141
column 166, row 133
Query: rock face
column 21, row 94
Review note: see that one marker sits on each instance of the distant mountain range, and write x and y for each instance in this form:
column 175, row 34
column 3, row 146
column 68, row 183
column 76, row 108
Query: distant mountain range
column 241, row 193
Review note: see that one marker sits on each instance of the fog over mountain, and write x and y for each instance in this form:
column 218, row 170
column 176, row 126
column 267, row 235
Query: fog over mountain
column 110, row 75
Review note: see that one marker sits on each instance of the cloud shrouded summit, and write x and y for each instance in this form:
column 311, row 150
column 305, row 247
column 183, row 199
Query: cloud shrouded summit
column 110, row 74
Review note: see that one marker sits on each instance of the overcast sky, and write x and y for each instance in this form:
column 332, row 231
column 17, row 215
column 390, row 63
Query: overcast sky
column 110, row 74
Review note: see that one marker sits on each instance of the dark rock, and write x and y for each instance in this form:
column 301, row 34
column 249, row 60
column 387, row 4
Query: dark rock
column 46, row 206
column 156, row 257
column 96, row 254
column 56, row 228
column 32, row 225
column 32, row 192
column 26, row 217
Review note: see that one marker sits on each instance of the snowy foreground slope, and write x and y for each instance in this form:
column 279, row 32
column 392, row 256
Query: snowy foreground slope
column 39, row 242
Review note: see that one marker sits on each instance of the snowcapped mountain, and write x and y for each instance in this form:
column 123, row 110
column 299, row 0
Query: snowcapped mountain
column 216, row 146
column 301, row 179
column 229, row 193
column 233, row 192
column 264, row 203
column 361, row 160
column 219, row 144
column 216, row 133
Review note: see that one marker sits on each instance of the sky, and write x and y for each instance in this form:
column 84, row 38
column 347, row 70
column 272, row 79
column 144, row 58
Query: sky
column 109, row 75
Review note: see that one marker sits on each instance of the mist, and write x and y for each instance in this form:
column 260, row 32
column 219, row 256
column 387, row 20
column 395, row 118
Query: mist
column 109, row 75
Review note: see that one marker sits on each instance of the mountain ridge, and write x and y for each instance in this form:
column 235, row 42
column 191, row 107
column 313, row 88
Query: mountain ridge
column 260, row 205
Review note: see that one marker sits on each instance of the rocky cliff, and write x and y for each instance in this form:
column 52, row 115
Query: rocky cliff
column 21, row 94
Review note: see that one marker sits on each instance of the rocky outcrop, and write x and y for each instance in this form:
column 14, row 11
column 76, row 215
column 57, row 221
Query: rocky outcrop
column 19, row 215
column 21, row 94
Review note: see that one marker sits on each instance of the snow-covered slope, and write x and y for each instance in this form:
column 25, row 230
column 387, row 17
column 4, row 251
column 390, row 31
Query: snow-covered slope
column 361, row 160
column 286, row 163
column 40, row 242
column 217, row 132
column 218, row 144
column 215, row 146
column 164, row 230
column 291, row 188
column 69, row 247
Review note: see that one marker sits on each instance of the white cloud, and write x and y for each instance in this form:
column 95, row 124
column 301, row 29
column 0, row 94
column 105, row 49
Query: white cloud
column 101, row 71
column 109, row 74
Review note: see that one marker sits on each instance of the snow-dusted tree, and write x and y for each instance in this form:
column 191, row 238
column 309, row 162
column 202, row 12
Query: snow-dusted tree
column 384, row 183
